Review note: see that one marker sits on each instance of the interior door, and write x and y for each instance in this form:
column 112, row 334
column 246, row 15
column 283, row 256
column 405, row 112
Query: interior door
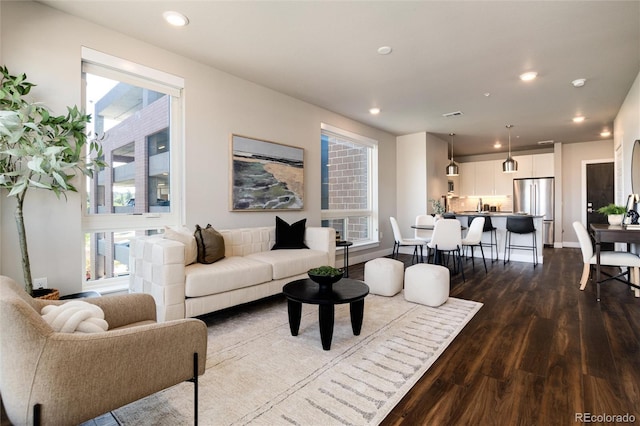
column 600, row 192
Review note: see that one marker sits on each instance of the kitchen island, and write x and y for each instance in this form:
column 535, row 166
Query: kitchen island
column 499, row 221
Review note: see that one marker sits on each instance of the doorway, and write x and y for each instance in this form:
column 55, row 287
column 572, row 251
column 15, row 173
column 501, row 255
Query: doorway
column 599, row 193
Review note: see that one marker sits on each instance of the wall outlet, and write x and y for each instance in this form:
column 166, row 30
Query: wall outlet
column 40, row 283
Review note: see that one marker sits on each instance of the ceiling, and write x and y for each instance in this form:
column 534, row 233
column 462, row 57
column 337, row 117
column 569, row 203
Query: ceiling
column 447, row 56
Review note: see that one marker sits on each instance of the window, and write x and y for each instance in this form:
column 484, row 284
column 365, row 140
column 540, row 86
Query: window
column 349, row 175
column 137, row 114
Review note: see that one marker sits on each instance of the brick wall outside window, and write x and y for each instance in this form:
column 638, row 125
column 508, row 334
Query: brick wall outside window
column 348, row 178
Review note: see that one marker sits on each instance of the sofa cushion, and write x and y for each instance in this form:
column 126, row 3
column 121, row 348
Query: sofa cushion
column 287, row 263
column 226, row 274
column 290, row 236
column 183, row 235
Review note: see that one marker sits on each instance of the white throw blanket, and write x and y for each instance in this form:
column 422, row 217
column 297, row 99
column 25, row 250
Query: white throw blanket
column 75, row 317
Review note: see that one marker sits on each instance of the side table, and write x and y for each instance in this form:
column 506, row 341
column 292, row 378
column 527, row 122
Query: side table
column 346, row 245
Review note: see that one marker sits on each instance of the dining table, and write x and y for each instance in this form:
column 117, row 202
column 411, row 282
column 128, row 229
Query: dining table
column 432, row 227
column 605, row 233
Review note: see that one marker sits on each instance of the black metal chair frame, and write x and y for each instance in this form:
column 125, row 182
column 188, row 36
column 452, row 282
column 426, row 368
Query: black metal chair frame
column 441, row 257
column 515, row 226
column 488, row 227
column 396, row 251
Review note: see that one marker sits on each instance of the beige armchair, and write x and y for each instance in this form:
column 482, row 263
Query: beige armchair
column 55, row 378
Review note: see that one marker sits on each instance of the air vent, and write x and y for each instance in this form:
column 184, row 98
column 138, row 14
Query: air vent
column 549, row 142
column 452, row 114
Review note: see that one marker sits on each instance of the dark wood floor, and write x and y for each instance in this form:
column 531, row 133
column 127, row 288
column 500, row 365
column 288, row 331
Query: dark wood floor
column 539, row 352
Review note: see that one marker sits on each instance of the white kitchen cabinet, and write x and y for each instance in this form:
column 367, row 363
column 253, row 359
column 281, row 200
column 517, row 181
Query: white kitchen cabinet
column 478, row 178
column 525, row 166
column 543, row 165
column 484, row 178
column 503, row 182
column 467, row 179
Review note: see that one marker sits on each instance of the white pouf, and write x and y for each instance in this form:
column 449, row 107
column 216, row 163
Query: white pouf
column 384, row 276
column 426, row 284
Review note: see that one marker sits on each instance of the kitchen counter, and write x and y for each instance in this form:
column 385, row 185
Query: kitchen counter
column 499, row 221
column 493, row 214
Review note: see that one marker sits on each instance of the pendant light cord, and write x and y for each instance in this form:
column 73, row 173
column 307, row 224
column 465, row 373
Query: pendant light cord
column 452, row 135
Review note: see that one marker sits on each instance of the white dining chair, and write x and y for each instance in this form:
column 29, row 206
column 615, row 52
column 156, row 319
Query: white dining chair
column 447, row 238
column 424, row 220
column 607, row 258
column 400, row 241
column 473, row 239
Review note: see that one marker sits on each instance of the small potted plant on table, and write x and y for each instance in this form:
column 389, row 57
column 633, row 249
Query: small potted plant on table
column 614, row 213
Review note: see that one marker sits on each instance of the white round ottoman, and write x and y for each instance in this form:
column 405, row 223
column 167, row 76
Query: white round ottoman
column 426, row 284
column 384, row 276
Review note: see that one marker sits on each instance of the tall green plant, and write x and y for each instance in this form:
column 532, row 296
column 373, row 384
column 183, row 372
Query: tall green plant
column 39, row 150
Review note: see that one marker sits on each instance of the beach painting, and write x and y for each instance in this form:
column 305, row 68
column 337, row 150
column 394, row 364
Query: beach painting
column 265, row 175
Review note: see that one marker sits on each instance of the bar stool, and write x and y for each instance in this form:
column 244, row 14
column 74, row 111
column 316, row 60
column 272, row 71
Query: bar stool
column 488, row 227
column 522, row 226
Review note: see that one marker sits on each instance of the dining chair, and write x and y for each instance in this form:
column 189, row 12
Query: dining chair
column 493, row 235
column 424, row 220
column 521, row 226
column 447, row 238
column 473, row 239
column 425, row 234
column 607, row 258
column 400, row 241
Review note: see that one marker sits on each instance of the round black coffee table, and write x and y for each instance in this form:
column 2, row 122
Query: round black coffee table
column 344, row 291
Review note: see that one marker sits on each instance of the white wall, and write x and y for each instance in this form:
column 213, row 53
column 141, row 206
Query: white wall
column 411, row 182
column 46, row 45
column 573, row 157
column 420, row 167
column 626, row 129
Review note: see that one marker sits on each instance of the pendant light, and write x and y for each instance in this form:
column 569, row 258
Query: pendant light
column 509, row 165
column 452, row 168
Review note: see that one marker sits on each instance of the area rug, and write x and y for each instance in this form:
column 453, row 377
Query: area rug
column 258, row 374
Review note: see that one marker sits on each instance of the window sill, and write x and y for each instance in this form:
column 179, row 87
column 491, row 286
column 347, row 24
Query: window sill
column 116, row 285
column 360, row 246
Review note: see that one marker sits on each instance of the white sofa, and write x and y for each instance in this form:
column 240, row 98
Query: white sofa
column 249, row 271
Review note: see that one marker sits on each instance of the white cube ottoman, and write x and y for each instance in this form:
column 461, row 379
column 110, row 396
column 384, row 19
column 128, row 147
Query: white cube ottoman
column 384, row 276
column 426, row 284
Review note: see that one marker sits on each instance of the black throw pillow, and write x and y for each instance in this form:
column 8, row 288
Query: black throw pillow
column 290, row 236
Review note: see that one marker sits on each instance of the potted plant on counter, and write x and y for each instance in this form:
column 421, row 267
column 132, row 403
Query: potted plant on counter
column 614, row 213
column 39, row 150
column 438, row 208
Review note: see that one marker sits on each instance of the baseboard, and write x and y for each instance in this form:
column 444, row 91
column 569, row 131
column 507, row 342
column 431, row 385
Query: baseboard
column 571, row 244
column 361, row 258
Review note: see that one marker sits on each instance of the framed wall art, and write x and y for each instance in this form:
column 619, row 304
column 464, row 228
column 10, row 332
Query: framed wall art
column 265, row 175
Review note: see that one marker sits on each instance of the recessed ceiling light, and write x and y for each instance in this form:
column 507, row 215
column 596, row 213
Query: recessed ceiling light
column 176, row 19
column 605, row 134
column 578, row 119
column 374, row 111
column 487, row 94
column 579, row 82
column 497, row 144
column 528, row 76
column 384, row 50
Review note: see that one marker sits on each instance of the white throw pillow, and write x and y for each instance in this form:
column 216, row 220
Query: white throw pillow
column 183, row 235
column 75, row 317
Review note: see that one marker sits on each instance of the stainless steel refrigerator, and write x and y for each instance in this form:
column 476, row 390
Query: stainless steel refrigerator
column 535, row 196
